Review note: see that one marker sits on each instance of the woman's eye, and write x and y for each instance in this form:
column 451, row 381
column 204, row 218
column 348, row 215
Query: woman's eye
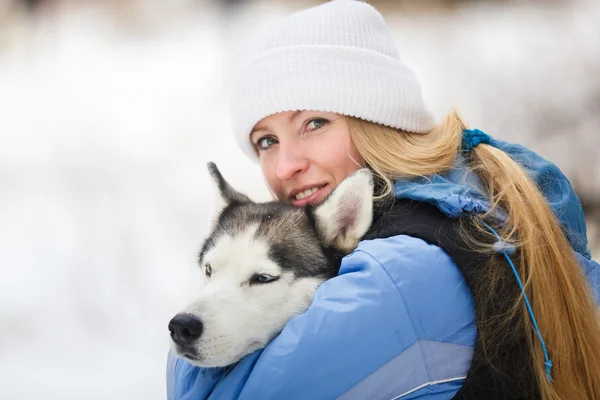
column 265, row 143
column 263, row 278
column 316, row 123
column 208, row 270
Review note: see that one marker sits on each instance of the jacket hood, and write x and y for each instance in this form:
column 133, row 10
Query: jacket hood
column 460, row 191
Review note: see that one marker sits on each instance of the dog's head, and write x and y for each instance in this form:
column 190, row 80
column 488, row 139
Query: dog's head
column 262, row 264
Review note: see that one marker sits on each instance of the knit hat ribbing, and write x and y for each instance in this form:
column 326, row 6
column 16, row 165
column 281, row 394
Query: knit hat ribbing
column 336, row 57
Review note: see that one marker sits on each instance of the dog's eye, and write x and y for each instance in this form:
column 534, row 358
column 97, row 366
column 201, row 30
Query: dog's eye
column 263, row 278
column 208, row 270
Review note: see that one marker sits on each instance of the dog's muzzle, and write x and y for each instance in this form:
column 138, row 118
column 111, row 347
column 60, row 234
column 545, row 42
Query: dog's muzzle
column 185, row 329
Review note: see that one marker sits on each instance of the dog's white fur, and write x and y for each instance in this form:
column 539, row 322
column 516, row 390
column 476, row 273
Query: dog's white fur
column 240, row 318
column 346, row 215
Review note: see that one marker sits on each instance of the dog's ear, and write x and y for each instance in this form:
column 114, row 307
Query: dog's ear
column 225, row 194
column 347, row 213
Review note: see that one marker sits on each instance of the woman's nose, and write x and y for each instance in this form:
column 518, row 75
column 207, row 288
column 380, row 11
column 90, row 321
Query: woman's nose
column 291, row 161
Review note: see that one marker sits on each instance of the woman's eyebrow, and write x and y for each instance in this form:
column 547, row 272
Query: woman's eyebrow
column 256, row 129
column 292, row 117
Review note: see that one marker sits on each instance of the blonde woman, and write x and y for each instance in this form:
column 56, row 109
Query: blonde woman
column 475, row 280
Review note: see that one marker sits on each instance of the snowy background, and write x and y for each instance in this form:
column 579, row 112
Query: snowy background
column 110, row 110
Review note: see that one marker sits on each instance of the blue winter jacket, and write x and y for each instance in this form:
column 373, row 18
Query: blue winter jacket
column 398, row 322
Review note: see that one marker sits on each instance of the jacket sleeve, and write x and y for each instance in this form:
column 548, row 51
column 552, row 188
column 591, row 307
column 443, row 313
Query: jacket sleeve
column 171, row 363
column 398, row 322
column 186, row 381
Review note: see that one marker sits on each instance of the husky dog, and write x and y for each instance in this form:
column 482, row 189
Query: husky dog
column 262, row 264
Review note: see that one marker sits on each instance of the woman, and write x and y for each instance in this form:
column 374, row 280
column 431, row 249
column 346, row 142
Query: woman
column 502, row 305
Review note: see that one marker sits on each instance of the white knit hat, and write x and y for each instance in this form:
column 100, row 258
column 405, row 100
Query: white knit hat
column 336, row 57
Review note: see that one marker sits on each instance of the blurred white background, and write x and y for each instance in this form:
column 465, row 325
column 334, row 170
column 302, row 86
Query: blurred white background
column 109, row 111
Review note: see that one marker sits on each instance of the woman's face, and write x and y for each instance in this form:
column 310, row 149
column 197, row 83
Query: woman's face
column 304, row 155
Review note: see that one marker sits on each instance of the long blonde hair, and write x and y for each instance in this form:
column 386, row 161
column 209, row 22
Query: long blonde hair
column 559, row 293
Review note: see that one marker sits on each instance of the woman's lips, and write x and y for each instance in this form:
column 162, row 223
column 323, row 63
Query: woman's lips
column 313, row 199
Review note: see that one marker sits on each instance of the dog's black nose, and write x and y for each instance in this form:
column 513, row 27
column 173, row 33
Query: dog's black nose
column 185, row 328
